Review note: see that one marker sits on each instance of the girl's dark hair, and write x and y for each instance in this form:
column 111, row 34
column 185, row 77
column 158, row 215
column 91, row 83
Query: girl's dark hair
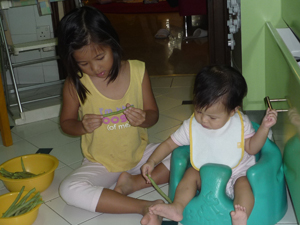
column 214, row 83
column 81, row 27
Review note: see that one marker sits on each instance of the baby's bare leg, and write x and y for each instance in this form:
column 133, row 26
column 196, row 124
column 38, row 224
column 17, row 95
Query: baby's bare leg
column 185, row 191
column 243, row 201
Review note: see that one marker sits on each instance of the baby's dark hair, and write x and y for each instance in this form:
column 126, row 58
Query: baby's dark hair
column 215, row 83
column 80, row 27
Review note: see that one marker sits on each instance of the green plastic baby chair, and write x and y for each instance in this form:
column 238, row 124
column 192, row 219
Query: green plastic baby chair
column 211, row 206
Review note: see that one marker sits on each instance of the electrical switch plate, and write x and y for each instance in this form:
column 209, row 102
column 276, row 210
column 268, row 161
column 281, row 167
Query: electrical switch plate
column 43, row 32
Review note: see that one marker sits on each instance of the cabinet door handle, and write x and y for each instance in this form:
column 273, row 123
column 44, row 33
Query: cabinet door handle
column 268, row 101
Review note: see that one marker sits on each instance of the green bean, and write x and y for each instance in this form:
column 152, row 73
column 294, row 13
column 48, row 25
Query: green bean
column 116, row 112
column 22, row 164
column 19, row 207
column 17, row 175
column 159, row 190
column 32, row 206
column 14, row 203
column 23, row 206
column 5, row 173
column 16, row 207
column 26, row 196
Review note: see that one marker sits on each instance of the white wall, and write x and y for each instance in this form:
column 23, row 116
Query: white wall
column 22, row 22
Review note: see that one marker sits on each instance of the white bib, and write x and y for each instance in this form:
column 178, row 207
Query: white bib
column 222, row 146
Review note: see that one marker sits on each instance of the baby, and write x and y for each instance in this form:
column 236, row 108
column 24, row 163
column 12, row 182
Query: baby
column 217, row 132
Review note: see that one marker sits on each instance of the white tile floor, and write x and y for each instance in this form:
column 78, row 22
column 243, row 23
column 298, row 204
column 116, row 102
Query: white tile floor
column 28, row 138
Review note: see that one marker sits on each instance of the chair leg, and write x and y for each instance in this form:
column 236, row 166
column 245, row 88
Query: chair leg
column 4, row 122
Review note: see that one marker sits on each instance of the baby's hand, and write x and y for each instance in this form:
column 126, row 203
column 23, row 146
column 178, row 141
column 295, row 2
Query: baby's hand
column 147, row 168
column 270, row 118
column 135, row 116
column 91, row 122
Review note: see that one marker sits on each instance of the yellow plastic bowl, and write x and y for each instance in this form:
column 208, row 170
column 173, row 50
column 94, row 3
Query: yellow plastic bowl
column 24, row 219
column 34, row 163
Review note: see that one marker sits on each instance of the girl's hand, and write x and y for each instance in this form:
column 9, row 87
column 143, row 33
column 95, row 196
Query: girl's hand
column 135, row 116
column 147, row 168
column 91, row 122
column 270, row 118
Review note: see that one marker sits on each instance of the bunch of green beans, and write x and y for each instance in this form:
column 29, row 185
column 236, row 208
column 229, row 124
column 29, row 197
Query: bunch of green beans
column 116, row 112
column 19, row 207
column 17, row 175
column 159, row 190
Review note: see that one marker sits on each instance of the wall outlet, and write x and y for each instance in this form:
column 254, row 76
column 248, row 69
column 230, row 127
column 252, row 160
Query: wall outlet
column 43, row 32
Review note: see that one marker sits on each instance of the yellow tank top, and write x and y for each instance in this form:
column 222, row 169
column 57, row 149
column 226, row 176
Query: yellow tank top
column 115, row 144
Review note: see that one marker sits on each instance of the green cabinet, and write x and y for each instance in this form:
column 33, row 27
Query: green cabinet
column 282, row 69
column 254, row 15
column 271, row 70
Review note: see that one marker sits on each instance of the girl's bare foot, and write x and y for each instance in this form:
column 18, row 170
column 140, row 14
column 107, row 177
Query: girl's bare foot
column 150, row 218
column 125, row 184
column 170, row 211
column 239, row 215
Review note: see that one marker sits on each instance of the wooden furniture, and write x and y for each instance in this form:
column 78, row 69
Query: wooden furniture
column 219, row 52
column 4, row 122
column 132, row 8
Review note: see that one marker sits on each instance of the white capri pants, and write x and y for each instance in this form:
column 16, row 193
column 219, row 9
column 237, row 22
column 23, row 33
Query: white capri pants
column 83, row 187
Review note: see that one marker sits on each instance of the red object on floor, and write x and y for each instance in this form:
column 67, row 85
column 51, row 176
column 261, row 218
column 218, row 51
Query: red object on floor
column 133, row 8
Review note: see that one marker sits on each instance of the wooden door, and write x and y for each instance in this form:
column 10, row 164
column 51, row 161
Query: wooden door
column 219, row 52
